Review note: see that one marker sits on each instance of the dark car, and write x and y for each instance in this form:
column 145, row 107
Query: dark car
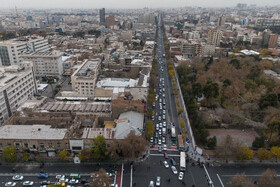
column 43, row 176
column 173, row 162
column 45, row 182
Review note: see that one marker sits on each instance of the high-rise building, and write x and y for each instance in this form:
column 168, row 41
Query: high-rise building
column 190, row 49
column 102, row 16
column 46, row 63
column 214, row 37
column 110, row 20
column 221, row 21
column 273, row 41
column 11, row 50
column 16, row 85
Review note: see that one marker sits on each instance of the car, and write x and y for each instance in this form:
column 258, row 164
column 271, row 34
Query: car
column 59, row 176
column 18, row 178
column 163, row 117
column 159, row 149
column 181, row 176
column 74, row 181
column 173, row 161
column 163, row 111
column 174, row 170
column 156, row 135
column 160, row 125
column 159, row 132
column 159, row 141
column 45, row 182
column 157, row 127
column 165, row 155
column 10, row 184
column 158, row 181
column 163, row 139
column 164, row 124
column 43, row 176
column 159, row 118
column 152, row 140
column 152, row 184
column 28, row 183
column 165, row 164
column 164, row 147
column 83, row 181
column 164, row 131
column 61, row 180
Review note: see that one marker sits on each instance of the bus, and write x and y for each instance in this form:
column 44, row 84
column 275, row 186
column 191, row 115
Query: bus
column 182, row 161
column 173, row 133
column 75, row 176
column 181, row 146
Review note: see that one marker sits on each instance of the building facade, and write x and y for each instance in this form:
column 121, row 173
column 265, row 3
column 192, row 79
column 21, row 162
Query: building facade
column 16, row 86
column 102, row 16
column 110, row 21
column 46, row 63
column 214, row 37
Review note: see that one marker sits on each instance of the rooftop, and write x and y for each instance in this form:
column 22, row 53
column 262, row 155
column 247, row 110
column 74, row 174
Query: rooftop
column 31, row 132
column 44, row 54
column 116, row 82
column 10, row 73
column 88, row 68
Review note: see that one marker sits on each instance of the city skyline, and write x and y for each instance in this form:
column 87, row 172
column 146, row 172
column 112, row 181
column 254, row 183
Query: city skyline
column 128, row 4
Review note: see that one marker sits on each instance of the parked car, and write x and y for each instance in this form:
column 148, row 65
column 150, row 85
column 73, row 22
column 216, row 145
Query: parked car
column 165, row 164
column 174, row 170
column 10, row 184
column 152, row 140
column 28, row 183
column 74, row 181
column 158, row 181
column 159, row 141
column 173, row 161
column 18, row 178
column 152, row 184
column 159, row 149
column 164, row 147
column 181, row 176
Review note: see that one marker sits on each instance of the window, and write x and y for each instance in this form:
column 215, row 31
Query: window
column 50, row 144
column 58, row 145
column 26, row 145
column 42, row 146
column 1, row 146
column 17, row 146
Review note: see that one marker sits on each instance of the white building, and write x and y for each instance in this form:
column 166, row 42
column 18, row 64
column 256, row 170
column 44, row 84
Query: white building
column 11, row 50
column 84, row 78
column 16, row 85
column 214, row 37
column 46, row 63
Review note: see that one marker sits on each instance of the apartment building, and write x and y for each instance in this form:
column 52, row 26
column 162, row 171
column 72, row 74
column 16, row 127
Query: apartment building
column 190, row 49
column 267, row 22
column 11, row 50
column 46, row 63
column 84, row 78
column 214, row 37
column 16, row 85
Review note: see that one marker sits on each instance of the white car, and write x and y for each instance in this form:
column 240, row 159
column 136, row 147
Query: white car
column 18, row 178
column 165, row 163
column 159, row 141
column 173, row 168
column 163, row 139
column 59, row 177
column 158, row 181
column 10, row 184
column 152, row 184
column 74, row 181
column 164, row 147
column 181, row 176
column 28, row 183
column 160, row 125
column 164, row 124
column 64, row 180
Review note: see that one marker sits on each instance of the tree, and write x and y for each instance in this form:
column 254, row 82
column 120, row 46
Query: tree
column 241, row 180
column 273, row 127
column 197, row 89
column 235, row 63
column 259, row 142
column 101, row 178
column 150, row 129
column 9, row 154
column 99, row 149
column 180, row 111
column 85, row 154
column 269, row 178
column 227, row 148
column 264, row 154
column 133, row 145
column 171, row 73
column 275, row 151
column 212, row 142
column 269, row 99
column 63, row 154
column 211, row 90
column 25, row 156
column 182, row 123
column 150, row 112
column 244, row 153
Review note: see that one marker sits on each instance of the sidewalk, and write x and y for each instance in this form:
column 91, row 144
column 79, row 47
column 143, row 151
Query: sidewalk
column 119, row 176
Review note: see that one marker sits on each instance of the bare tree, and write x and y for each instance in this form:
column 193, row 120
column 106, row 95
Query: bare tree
column 228, row 148
column 101, row 178
column 240, row 180
column 269, row 178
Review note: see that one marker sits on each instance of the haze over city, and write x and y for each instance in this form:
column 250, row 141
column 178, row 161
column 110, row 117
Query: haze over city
column 127, row 3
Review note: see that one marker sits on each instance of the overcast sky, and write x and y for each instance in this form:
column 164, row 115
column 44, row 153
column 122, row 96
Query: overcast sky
column 127, row 3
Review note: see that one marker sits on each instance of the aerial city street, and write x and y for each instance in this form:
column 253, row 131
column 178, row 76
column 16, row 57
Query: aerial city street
column 139, row 93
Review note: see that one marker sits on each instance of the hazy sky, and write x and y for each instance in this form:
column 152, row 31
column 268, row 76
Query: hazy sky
column 127, row 3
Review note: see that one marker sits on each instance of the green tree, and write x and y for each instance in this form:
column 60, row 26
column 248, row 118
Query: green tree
column 99, row 149
column 275, row 151
column 9, row 154
column 211, row 90
column 197, row 89
column 244, row 153
column 259, row 142
column 235, row 63
column 250, row 84
column 212, row 142
column 226, row 83
column 25, row 156
column 150, row 113
column 264, row 154
column 269, row 99
column 273, row 127
column 150, row 129
column 63, row 154
column 180, row 111
column 85, row 154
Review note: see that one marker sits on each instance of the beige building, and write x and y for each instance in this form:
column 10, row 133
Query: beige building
column 34, row 138
column 214, row 37
column 17, row 84
column 84, row 78
column 46, row 63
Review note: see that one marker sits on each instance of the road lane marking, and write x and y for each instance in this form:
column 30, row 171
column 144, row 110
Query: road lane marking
column 246, row 175
column 122, row 176
column 220, row 180
column 131, row 170
column 210, row 181
column 162, row 155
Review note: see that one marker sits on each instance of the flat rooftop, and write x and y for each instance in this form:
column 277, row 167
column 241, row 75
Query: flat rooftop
column 31, row 132
column 7, row 77
column 44, row 54
column 87, row 68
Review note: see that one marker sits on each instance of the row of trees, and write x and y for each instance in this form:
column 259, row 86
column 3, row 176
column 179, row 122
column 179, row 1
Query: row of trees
column 267, row 178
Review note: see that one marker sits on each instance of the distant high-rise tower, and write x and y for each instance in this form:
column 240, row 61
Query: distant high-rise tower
column 102, row 16
column 221, row 21
column 110, row 21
